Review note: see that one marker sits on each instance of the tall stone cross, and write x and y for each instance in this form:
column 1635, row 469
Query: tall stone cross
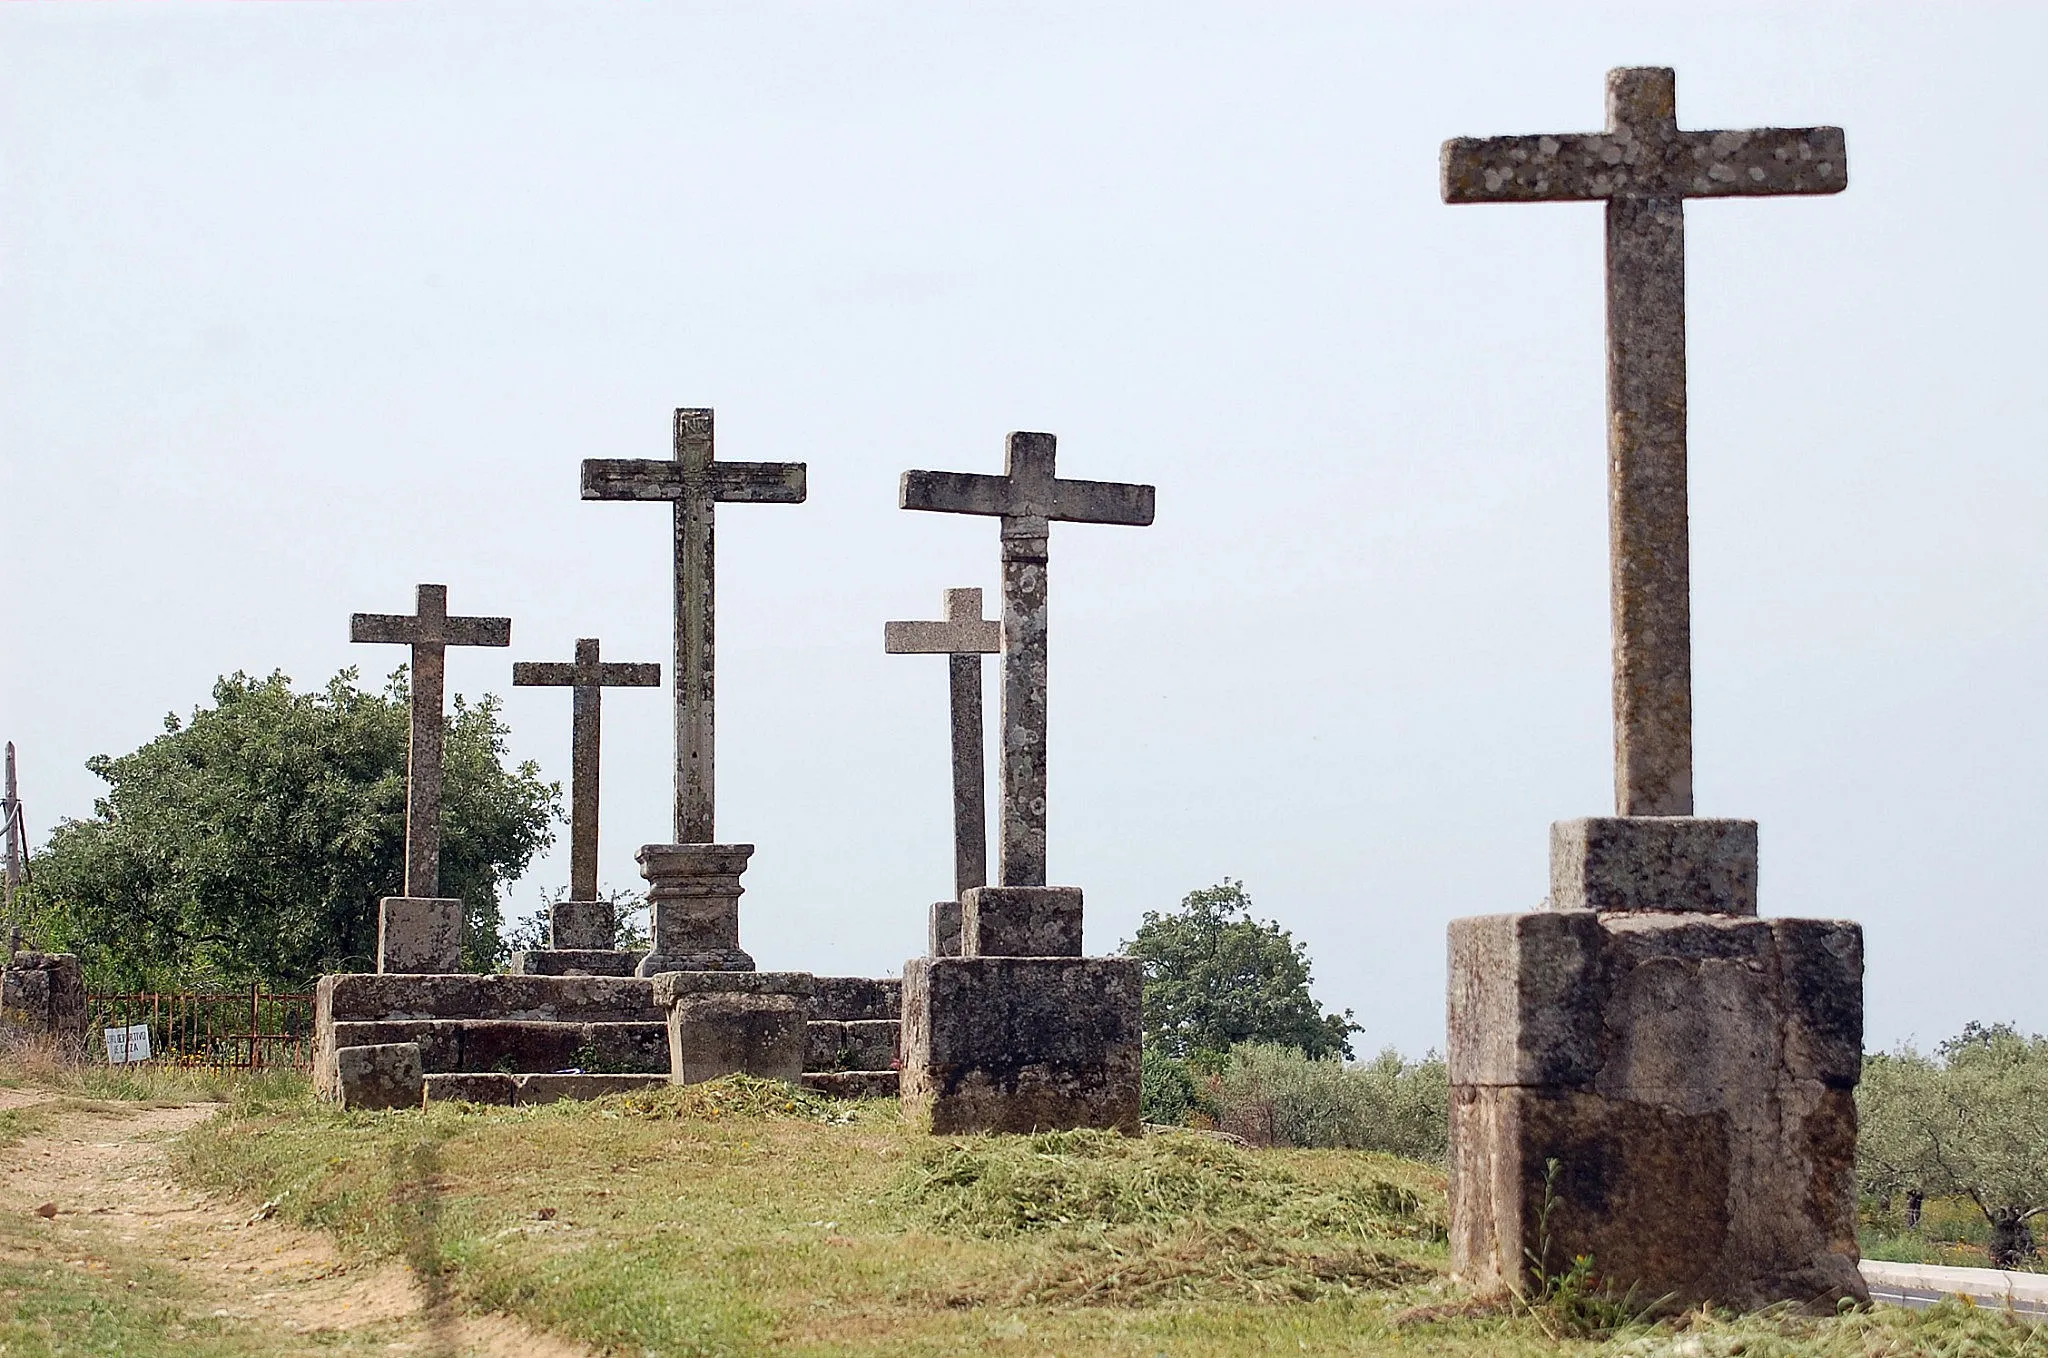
column 963, row 638
column 1644, row 166
column 430, row 632
column 587, row 678
column 1028, row 498
column 694, row 483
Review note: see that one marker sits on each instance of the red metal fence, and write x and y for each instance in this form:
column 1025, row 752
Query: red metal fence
column 251, row 1029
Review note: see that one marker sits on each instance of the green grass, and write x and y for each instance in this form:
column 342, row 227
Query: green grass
column 744, row 1217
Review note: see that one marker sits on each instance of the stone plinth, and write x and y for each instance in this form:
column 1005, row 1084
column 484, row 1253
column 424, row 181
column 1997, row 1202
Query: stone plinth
column 386, row 1075
column 1020, row 921
column 716, row 1034
column 574, row 962
column 1691, row 1076
column 1021, row 1044
column 43, row 994
column 945, row 929
column 1664, row 863
column 582, row 926
column 420, row 935
column 695, row 891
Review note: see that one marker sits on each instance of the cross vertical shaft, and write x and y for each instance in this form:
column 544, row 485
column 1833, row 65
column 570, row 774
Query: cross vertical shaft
column 970, row 813
column 696, row 618
column 1021, row 768
column 1650, row 589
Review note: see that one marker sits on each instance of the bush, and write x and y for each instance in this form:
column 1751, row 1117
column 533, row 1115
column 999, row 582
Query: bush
column 1169, row 1093
column 1274, row 1095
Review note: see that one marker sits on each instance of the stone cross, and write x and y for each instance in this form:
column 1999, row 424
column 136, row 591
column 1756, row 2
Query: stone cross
column 963, row 638
column 694, row 482
column 1028, row 497
column 1644, row 167
column 430, row 632
column 587, row 680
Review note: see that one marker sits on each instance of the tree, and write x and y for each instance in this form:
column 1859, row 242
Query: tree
column 1971, row 1121
column 1215, row 977
column 252, row 841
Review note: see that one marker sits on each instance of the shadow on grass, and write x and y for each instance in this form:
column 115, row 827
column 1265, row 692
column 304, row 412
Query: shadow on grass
column 416, row 1220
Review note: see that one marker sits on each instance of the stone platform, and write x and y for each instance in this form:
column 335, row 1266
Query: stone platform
column 536, row 1038
column 1671, row 1092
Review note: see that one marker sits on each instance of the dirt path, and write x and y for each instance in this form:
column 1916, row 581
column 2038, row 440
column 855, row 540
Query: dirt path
column 104, row 1168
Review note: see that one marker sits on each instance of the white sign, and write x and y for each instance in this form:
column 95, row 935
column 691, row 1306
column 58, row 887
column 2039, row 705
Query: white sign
column 127, row 1044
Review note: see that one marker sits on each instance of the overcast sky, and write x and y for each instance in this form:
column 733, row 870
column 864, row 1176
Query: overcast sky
column 306, row 304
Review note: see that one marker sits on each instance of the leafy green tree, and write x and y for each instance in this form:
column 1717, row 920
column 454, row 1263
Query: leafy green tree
column 1215, row 977
column 252, row 841
column 1970, row 1121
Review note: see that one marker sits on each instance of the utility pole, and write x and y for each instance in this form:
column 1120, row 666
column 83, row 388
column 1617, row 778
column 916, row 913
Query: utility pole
column 10, row 809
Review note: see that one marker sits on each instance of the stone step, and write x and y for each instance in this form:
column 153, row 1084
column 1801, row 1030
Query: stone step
column 864, row 1044
column 516, row 1046
column 852, row 1084
column 494, row 1088
column 571, row 999
column 575, row 962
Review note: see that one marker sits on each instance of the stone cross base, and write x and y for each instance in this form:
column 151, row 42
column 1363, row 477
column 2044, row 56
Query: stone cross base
column 695, row 893
column 582, row 926
column 1021, row 1044
column 419, row 934
column 1020, row 921
column 1669, row 1092
column 574, row 962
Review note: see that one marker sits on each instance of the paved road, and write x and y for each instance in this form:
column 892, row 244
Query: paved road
column 1922, row 1285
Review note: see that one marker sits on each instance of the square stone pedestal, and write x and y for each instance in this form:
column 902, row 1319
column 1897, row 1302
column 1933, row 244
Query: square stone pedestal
column 1021, row 1044
column 1020, row 921
column 582, row 926
column 419, row 934
column 945, row 929
column 695, row 891
column 1671, row 1092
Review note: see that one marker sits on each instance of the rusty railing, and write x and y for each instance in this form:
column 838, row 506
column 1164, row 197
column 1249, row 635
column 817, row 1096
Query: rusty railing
column 251, row 1029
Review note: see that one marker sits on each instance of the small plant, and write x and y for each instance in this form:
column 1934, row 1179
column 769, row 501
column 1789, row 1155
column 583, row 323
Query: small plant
column 1573, row 1302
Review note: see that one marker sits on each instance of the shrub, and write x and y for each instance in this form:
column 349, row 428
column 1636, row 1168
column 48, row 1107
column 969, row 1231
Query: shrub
column 1169, row 1094
column 1273, row 1095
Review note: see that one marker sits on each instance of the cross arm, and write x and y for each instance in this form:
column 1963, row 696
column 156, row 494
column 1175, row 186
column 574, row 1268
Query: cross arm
column 478, row 632
column 398, row 629
column 631, row 478
column 955, row 492
column 629, row 674
column 542, row 674
column 942, row 638
column 760, row 483
column 1102, row 502
column 1573, row 167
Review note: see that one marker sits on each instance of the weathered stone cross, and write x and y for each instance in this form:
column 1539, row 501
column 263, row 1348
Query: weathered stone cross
column 963, row 638
column 430, row 632
column 1645, row 167
column 1027, row 497
column 587, row 679
column 694, row 483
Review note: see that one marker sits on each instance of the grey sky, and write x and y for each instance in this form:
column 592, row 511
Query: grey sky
column 306, row 304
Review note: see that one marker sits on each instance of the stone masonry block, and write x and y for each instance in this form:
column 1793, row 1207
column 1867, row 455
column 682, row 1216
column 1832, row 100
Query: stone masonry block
column 851, row 999
column 945, row 929
column 1021, row 1044
column 710, row 1035
column 583, row 999
column 419, row 935
column 1020, row 921
column 574, row 962
column 44, row 993
column 581, row 925
column 1655, row 863
column 864, row 1044
column 1692, row 1078
column 387, row 1075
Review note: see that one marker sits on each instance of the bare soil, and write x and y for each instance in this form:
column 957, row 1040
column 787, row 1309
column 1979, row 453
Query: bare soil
column 105, row 1169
